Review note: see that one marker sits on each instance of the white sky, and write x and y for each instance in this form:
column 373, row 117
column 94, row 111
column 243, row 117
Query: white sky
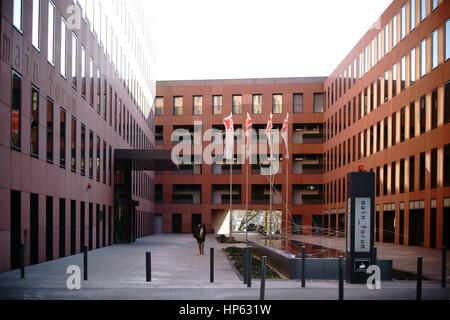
column 217, row 39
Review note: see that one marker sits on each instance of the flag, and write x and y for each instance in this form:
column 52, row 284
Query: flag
column 229, row 137
column 269, row 134
column 248, row 126
column 284, row 134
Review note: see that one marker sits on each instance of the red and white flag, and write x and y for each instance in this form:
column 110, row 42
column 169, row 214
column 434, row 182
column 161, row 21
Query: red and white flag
column 248, row 126
column 284, row 135
column 229, row 137
column 269, row 133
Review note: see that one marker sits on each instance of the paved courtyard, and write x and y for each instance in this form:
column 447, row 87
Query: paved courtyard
column 179, row 272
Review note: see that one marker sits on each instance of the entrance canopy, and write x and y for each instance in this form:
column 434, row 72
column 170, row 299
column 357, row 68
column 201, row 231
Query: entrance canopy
column 145, row 160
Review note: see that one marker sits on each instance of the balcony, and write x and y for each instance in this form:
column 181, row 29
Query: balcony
column 307, row 194
column 221, row 194
column 261, row 194
column 307, row 164
column 308, row 133
column 187, row 194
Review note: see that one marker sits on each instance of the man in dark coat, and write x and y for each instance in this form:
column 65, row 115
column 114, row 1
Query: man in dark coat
column 200, row 235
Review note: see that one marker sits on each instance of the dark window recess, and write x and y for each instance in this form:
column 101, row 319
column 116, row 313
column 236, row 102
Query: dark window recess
column 422, row 171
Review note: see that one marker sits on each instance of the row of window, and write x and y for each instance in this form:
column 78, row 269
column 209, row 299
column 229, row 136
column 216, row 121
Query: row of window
column 385, row 181
column 131, row 82
column 397, row 27
column 257, row 104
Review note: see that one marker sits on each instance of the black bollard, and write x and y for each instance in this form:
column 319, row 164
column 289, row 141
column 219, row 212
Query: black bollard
column 211, row 271
column 419, row 279
column 263, row 279
column 374, row 255
column 85, row 262
column 249, row 265
column 148, row 266
column 303, row 266
column 341, row 279
column 22, row 261
column 245, row 264
column 444, row 266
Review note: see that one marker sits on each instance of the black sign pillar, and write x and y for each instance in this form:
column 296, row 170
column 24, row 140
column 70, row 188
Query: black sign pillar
column 360, row 224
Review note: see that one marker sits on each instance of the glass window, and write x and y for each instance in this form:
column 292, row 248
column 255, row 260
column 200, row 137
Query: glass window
column 354, row 70
column 411, row 173
column 105, row 97
column 277, row 103
column 62, row 135
column 50, row 131
column 412, row 66
column 104, row 162
column 257, row 103
column 412, row 120
column 83, row 72
column 423, row 114
column 366, row 56
column 447, row 102
column 318, row 102
column 386, row 38
column 197, row 105
column 63, row 47
column 423, row 57
column 394, row 31
column 298, row 103
column 379, row 46
column 159, row 106
column 17, row 14
column 34, row 150
column 237, row 104
column 74, row 60
column 402, row 124
column 434, row 49
column 217, row 104
column 447, row 39
column 16, row 108
column 51, row 33
column 83, row 150
column 91, row 154
column 177, row 106
column 97, row 159
column 412, row 11
column 36, row 32
column 402, row 73
column 73, row 145
column 434, row 4
column 423, row 9
column 372, row 53
column 91, row 75
column 360, row 65
column 99, row 89
column 394, row 80
column 434, row 108
column 403, row 22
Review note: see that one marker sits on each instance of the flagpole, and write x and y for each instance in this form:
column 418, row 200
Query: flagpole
column 287, row 196
column 246, row 201
column 231, row 201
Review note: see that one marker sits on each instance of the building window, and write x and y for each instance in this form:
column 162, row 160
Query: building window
column 51, row 33
column 412, row 66
column 83, row 72
column 411, row 173
column 394, row 129
column 74, row 60
column 434, row 4
column 197, row 105
column 402, row 124
column 379, row 46
column 83, row 150
column 359, row 75
column 34, row 150
column 423, row 114
column 298, row 103
column 36, row 32
column 402, row 176
column 393, row 164
column 318, row 102
column 412, row 120
column 423, row 57
column 257, row 103
column 447, row 39
column 177, row 106
column 385, row 133
column 105, row 97
column 73, row 145
column 16, row 110
column 17, row 14
column 217, row 104
column 403, row 22
column 97, row 159
column 422, row 171
column 237, row 104
column 91, row 154
column 99, row 89
column 423, row 9
column 50, row 131
column 366, row 56
column 386, row 38
column 412, row 15
column 447, row 165
column 434, row 49
column 433, row 169
column 159, row 106
column 277, row 103
column 62, row 141
column 385, row 179
column 63, row 47
column 394, row 31
column 104, row 162
column 447, row 102
column 91, row 75
column 394, row 80
column 403, row 73
column 386, row 85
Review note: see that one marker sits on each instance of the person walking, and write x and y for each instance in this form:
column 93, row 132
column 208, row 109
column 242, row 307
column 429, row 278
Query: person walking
column 200, row 235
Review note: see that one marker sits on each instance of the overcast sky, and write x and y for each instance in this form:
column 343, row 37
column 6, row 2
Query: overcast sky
column 216, row 39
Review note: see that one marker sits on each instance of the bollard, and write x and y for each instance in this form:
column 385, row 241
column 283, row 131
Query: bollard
column 444, row 266
column 374, row 255
column 85, row 264
column 245, row 264
column 341, row 279
column 419, row 279
column 148, row 266
column 263, row 279
column 303, row 266
column 249, row 265
column 211, row 271
column 22, row 261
